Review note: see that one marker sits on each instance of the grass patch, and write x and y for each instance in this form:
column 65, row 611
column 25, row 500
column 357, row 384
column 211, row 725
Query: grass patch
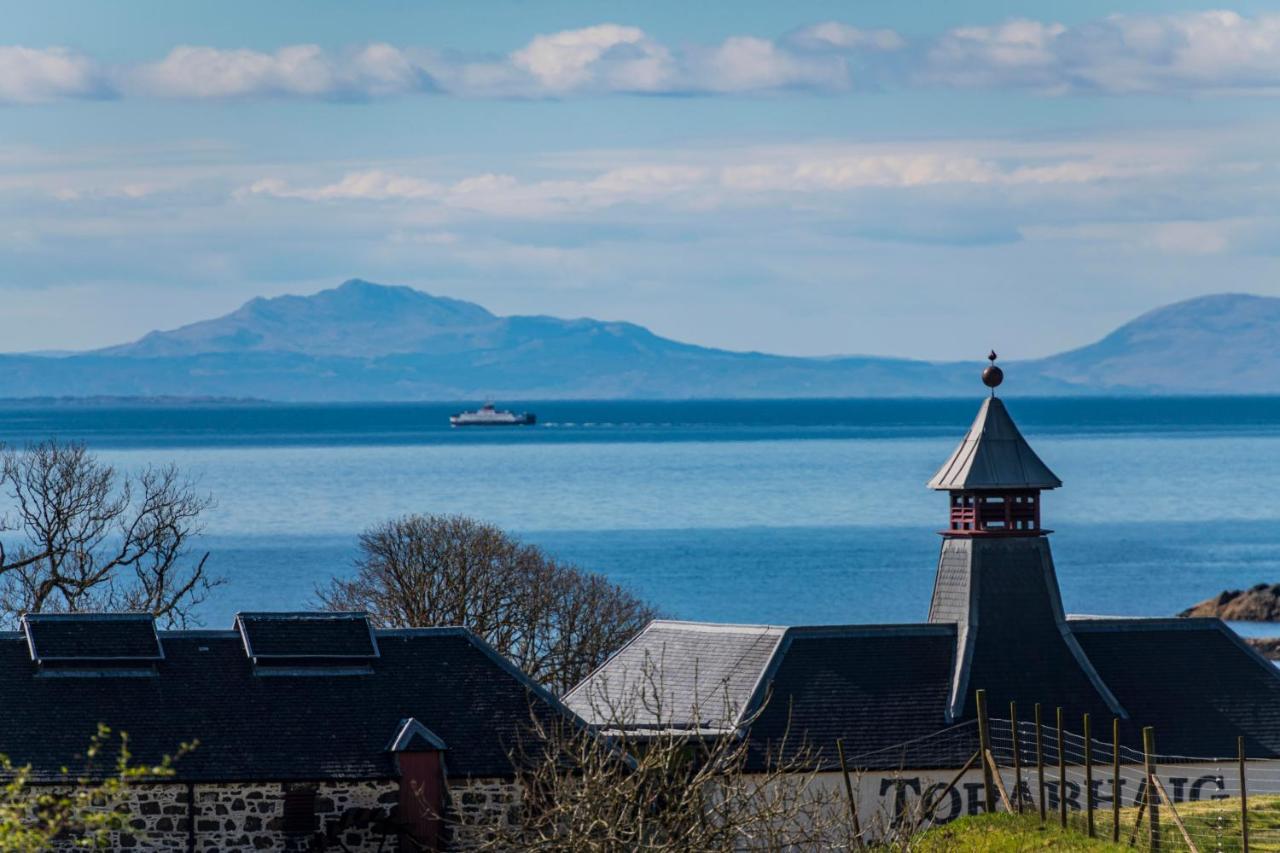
column 1214, row 825
column 1008, row 833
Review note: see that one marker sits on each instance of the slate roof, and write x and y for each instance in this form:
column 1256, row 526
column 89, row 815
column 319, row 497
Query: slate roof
column 1018, row 646
column 994, row 455
column 256, row 726
column 793, row 689
column 874, row 686
column 884, row 690
column 705, row 676
column 1193, row 680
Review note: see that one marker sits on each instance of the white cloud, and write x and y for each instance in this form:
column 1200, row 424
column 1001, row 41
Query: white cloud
column 1218, row 51
column 373, row 185
column 299, row 70
column 608, row 56
column 30, row 75
column 748, row 64
column 1018, row 52
column 834, row 35
column 751, row 177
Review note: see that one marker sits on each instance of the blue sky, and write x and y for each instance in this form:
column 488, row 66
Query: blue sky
column 922, row 179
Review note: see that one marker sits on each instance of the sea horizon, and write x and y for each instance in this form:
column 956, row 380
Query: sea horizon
column 787, row 512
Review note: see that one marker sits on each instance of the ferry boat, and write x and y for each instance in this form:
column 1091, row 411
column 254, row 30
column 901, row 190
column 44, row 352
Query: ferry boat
column 487, row 415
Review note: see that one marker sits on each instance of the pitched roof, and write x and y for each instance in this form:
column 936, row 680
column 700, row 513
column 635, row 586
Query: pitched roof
column 1193, row 680
column 994, row 455
column 884, row 689
column 873, row 686
column 415, row 737
column 1016, row 643
column 256, row 723
column 692, row 675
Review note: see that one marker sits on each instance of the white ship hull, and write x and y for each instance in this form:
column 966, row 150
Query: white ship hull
column 489, row 417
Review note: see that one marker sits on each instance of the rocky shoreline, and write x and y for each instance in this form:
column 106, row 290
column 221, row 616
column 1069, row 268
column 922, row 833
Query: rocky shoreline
column 1259, row 603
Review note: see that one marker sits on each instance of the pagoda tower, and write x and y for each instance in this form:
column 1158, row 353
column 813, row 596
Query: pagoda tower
column 996, row 580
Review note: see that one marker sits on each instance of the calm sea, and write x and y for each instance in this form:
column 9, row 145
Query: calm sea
column 781, row 511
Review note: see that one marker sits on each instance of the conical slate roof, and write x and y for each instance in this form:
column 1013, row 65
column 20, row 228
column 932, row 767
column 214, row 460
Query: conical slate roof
column 994, row 455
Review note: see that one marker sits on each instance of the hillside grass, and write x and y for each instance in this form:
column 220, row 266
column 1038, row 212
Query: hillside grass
column 1008, row 833
column 1213, row 824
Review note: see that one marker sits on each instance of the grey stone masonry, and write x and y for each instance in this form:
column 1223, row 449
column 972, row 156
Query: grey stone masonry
column 250, row 817
column 477, row 807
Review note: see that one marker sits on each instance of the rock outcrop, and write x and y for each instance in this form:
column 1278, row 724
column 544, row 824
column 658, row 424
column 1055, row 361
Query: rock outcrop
column 1268, row 646
column 1259, row 603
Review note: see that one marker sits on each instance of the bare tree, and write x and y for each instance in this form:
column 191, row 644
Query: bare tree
column 659, row 786
column 78, row 535
column 555, row 621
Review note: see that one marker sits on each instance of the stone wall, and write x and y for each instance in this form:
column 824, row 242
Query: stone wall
column 250, row 817
column 477, row 807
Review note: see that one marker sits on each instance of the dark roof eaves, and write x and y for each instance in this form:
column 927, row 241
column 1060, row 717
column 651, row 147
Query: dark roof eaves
column 914, row 629
column 1257, row 656
column 1156, row 623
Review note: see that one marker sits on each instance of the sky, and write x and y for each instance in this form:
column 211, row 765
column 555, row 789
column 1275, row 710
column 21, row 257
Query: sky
column 925, row 179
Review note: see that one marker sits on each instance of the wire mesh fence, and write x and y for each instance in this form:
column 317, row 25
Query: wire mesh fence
column 1088, row 780
column 1077, row 773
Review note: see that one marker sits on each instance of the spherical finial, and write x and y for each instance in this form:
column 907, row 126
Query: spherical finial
column 992, row 375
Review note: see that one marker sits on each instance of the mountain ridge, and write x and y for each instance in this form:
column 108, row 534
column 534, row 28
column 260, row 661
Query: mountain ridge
column 362, row 341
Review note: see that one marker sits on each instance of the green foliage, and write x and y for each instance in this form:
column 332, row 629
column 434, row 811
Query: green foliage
column 78, row 810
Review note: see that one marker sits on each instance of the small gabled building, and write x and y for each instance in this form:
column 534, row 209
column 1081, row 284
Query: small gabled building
column 995, row 622
column 315, row 731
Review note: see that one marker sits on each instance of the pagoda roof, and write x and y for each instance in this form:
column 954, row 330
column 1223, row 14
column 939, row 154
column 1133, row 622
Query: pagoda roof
column 994, row 455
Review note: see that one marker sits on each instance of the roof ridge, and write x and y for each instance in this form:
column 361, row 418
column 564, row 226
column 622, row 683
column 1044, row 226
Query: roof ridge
column 719, row 627
column 852, row 630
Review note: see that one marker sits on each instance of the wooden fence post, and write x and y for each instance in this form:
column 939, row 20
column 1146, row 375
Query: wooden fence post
column 1017, row 757
column 1040, row 762
column 1088, row 776
column 1153, row 800
column 926, row 814
column 848, row 789
column 984, row 746
column 1115, row 780
column 1244, row 799
column 1062, row 775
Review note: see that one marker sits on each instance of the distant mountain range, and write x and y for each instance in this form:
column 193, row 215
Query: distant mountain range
column 363, row 341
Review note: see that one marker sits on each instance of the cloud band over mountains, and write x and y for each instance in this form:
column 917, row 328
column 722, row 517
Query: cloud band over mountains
column 1219, row 52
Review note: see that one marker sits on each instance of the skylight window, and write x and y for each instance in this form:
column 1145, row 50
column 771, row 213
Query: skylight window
column 92, row 639
column 284, row 639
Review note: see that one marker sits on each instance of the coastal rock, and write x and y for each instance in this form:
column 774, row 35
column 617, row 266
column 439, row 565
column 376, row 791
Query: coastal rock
column 1268, row 646
column 1260, row 603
